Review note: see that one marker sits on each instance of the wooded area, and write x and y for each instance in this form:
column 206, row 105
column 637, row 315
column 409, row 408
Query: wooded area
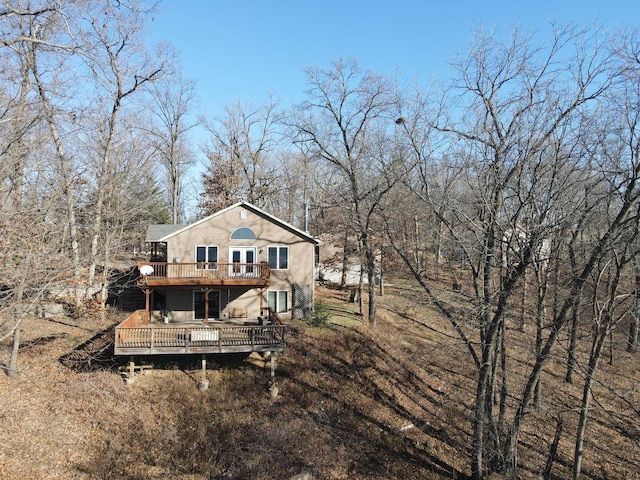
column 518, row 178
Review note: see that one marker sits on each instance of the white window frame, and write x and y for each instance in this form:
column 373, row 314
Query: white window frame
column 278, row 300
column 277, row 247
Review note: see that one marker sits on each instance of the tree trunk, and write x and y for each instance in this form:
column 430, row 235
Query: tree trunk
column 611, row 344
column 586, row 401
column 504, row 385
column 439, row 235
column 523, row 304
column 18, row 155
column 553, row 450
column 345, row 260
column 360, row 291
column 510, row 467
column 381, row 292
column 371, row 278
column 175, row 192
column 13, row 362
column 102, row 182
column 416, row 246
column 542, row 276
column 479, row 422
column 64, row 165
column 632, row 337
column 372, row 302
column 573, row 339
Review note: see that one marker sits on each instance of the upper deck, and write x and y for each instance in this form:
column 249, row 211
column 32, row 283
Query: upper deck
column 165, row 274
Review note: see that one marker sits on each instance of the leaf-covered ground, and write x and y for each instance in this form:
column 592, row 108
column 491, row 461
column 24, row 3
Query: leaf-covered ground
column 395, row 403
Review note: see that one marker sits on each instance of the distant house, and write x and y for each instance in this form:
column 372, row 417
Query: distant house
column 226, row 283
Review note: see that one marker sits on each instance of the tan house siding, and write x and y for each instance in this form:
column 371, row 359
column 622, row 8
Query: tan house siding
column 217, row 231
column 180, row 307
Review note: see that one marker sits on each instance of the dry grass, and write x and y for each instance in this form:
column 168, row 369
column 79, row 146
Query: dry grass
column 353, row 404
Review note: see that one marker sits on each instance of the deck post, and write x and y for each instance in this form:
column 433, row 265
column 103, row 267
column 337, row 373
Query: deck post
column 273, row 388
column 206, row 305
column 261, row 299
column 132, row 369
column 204, row 383
column 147, row 293
column 273, row 367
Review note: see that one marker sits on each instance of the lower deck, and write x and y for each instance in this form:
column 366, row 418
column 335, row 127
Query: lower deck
column 136, row 336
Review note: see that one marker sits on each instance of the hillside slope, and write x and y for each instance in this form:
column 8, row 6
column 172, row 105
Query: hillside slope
column 356, row 404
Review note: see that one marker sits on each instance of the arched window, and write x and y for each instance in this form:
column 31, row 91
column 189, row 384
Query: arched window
column 243, row 233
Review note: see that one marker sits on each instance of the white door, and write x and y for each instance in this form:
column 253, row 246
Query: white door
column 243, row 259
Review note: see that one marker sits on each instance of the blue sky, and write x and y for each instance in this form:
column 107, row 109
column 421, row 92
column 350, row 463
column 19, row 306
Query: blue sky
column 246, row 49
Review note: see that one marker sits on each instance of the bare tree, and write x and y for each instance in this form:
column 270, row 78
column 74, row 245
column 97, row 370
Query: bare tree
column 64, row 57
column 610, row 307
column 132, row 201
column 615, row 152
column 173, row 99
column 39, row 36
column 515, row 192
column 120, row 68
column 57, row 44
column 634, row 314
column 345, row 122
column 242, row 156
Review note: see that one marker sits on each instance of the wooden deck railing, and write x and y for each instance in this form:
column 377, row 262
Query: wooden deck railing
column 268, row 313
column 210, row 271
column 136, row 319
column 160, row 339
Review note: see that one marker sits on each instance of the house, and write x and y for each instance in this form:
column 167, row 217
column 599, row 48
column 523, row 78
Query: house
column 224, row 284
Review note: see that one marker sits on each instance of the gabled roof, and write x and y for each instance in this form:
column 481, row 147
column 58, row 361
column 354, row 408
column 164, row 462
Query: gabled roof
column 155, row 233
column 172, row 230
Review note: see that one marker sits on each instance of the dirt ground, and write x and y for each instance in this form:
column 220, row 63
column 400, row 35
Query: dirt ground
column 394, row 403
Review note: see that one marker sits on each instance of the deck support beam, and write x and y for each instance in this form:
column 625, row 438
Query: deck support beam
column 273, row 388
column 273, row 367
column 262, row 290
column 204, row 383
column 206, row 291
column 130, row 371
column 147, row 293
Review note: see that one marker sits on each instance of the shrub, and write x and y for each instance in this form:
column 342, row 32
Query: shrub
column 320, row 315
